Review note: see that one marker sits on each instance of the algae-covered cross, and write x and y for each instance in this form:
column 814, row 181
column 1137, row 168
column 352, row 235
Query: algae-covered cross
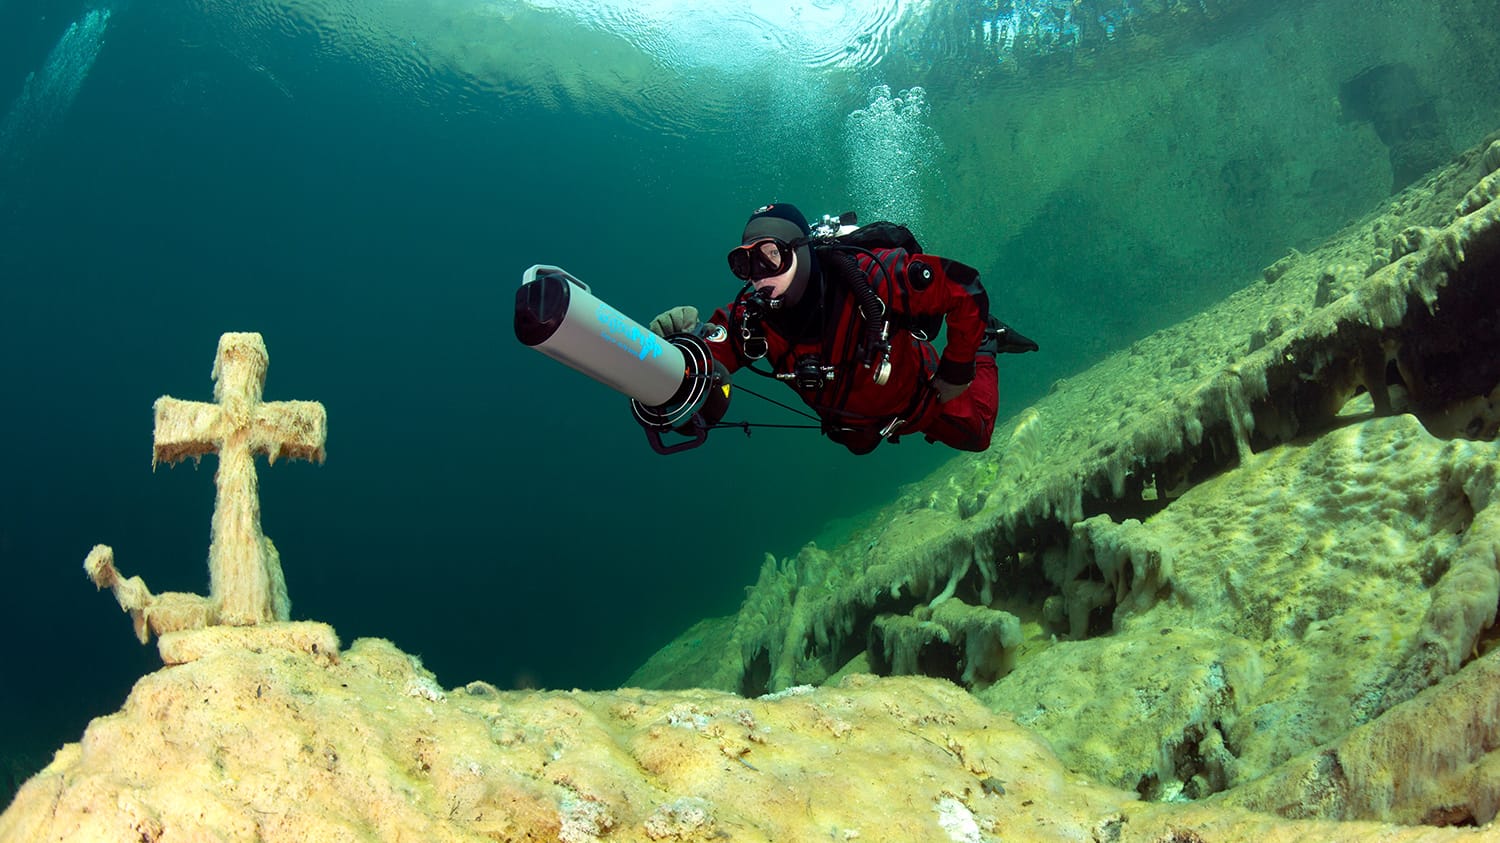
column 246, row 585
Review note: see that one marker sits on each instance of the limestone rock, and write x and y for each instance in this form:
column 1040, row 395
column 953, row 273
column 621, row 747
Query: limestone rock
column 280, row 746
column 1310, row 590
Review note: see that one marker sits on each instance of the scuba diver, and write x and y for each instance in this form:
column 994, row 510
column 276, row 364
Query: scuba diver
column 846, row 316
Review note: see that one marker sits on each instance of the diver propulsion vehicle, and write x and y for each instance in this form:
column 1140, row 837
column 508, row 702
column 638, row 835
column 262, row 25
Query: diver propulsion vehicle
column 674, row 383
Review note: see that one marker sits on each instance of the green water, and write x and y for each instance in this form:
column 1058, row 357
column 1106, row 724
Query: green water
column 364, row 184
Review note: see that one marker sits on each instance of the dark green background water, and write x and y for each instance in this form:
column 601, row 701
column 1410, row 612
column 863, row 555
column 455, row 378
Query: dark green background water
column 481, row 505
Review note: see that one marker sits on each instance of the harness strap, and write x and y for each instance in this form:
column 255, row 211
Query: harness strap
column 837, row 419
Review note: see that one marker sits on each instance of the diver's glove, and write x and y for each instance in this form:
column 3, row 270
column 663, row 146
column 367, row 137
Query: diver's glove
column 678, row 320
column 947, row 391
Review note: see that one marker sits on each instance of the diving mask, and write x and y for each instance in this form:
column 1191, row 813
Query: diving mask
column 762, row 258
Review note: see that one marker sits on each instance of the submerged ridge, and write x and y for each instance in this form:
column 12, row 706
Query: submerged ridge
column 1135, row 526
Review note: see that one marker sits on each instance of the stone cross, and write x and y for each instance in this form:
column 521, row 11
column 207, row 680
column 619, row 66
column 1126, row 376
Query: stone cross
column 246, row 585
column 245, row 580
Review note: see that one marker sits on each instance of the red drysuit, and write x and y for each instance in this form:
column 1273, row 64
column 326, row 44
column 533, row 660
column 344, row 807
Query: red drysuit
column 826, row 328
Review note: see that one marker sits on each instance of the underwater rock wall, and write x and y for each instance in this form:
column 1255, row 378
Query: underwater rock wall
column 1228, row 545
column 1269, row 609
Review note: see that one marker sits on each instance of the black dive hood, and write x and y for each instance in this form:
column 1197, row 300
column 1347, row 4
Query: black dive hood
column 673, row 383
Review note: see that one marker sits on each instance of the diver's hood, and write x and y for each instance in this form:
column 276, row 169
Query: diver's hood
column 785, row 223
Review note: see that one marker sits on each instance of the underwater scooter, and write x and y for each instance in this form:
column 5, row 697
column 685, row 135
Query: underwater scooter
column 674, row 384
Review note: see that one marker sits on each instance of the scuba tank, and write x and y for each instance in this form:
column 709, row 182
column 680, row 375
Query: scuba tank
column 846, row 238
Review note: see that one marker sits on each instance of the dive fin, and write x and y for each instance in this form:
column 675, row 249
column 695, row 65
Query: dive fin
column 1000, row 338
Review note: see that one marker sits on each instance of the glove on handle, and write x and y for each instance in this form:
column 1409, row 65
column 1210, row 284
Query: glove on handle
column 678, row 320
